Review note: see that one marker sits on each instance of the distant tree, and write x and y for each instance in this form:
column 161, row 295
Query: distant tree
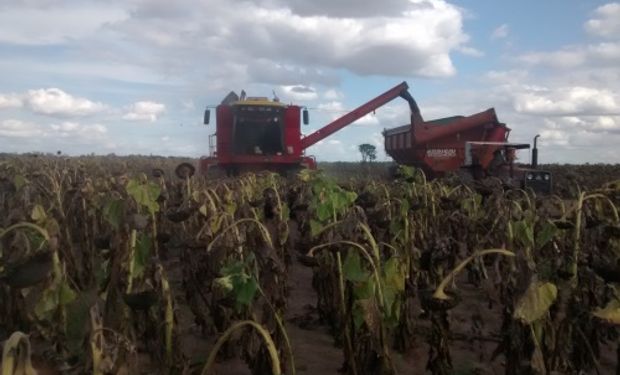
column 368, row 151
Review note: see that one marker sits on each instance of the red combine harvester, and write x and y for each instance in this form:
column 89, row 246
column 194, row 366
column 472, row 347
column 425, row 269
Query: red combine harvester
column 256, row 133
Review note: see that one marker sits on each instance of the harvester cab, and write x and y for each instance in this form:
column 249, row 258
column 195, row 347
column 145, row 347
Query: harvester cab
column 258, row 125
column 252, row 134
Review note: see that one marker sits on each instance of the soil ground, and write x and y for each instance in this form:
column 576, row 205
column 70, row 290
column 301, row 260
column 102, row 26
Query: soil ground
column 474, row 324
column 471, row 349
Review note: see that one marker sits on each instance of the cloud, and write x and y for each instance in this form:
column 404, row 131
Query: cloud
column 12, row 128
column 333, row 106
column 554, row 137
column 10, row 101
column 271, row 41
column 275, row 72
column 599, row 54
column 469, row 51
column 507, row 76
column 572, row 124
column 55, row 102
column 38, row 23
column 332, row 94
column 73, row 129
column 580, row 139
column 299, row 93
column 336, row 109
column 367, row 120
column 606, row 22
column 565, row 101
column 351, row 8
column 64, row 133
column 144, row 111
column 500, row 32
column 188, row 105
column 572, row 101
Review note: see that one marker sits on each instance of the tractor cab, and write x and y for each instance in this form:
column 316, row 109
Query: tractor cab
column 502, row 165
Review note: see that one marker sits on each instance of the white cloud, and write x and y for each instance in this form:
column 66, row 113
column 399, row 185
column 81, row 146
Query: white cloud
column 299, row 93
column 350, row 8
column 607, row 53
column 574, row 105
column 10, row 101
column 554, row 137
column 55, row 102
column 565, row 101
column 512, row 76
column 332, row 94
column 470, row 51
column 73, row 132
column 145, row 111
column 38, row 24
column 84, row 132
column 333, row 106
column 590, row 124
column 606, row 22
column 19, row 129
column 336, row 109
column 188, row 105
column 270, row 71
column 367, row 120
column 282, row 37
column 66, row 127
column 500, row 32
column 580, row 139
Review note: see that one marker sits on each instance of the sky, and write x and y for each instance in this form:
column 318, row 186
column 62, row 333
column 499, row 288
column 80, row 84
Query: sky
column 134, row 76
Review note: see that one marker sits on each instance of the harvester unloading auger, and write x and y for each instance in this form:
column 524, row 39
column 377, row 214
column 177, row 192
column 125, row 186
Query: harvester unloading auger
column 255, row 133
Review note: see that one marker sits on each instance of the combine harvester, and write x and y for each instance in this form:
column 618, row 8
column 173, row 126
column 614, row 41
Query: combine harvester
column 255, row 133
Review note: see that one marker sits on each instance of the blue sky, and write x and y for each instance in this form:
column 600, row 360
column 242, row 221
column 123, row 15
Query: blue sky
column 133, row 76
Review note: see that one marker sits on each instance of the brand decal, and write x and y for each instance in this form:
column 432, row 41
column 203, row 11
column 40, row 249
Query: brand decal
column 441, row 153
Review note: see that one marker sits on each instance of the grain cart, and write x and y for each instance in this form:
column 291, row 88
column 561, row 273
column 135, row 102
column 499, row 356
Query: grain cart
column 475, row 146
